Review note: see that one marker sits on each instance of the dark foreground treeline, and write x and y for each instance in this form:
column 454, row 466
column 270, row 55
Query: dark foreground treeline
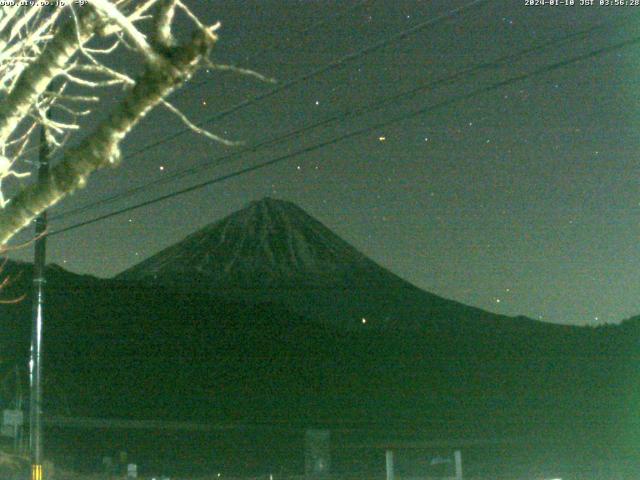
column 567, row 396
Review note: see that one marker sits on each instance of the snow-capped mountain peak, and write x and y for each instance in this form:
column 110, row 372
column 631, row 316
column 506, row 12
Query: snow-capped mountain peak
column 269, row 242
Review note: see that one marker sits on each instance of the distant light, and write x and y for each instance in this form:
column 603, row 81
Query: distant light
column 497, row 300
column 317, row 102
column 382, row 138
column 364, row 320
column 219, row 474
column 161, row 167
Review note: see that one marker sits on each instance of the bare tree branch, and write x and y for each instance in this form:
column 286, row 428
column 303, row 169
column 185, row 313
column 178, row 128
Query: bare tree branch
column 40, row 47
column 34, row 80
column 242, row 71
column 127, row 26
column 101, row 148
column 197, row 129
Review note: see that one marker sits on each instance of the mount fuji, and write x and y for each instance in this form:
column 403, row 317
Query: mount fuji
column 258, row 319
column 273, row 251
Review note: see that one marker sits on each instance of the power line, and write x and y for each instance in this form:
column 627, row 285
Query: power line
column 301, row 34
column 336, row 117
column 394, row 428
column 336, row 427
column 325, row 68
column 355, row 133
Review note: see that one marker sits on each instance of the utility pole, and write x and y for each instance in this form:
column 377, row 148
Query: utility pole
column 457, row 455
column 389, row 463
column 35, row 362
column 19, row 431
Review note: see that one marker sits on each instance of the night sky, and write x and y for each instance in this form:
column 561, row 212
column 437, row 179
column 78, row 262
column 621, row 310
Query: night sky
column 519, row 200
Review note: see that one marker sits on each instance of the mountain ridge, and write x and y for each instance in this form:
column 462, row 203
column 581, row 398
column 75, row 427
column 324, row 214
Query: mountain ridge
column 269, row 241
column 293, row 353
column 273, row 251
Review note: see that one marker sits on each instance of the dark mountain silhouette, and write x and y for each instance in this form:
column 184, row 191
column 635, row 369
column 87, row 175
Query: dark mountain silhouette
column 273, row 251
column 193, row 333
column 267, row 244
